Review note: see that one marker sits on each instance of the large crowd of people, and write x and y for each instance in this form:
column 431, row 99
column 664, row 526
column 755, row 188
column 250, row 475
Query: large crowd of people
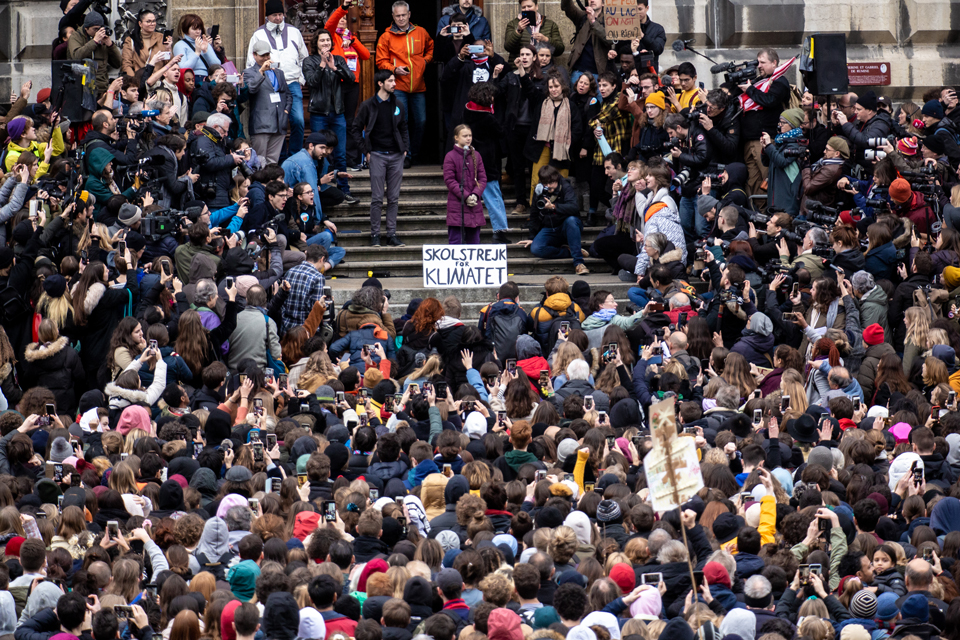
column 192, row 430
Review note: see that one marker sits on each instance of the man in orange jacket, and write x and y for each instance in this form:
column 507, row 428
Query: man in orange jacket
column 406, row 50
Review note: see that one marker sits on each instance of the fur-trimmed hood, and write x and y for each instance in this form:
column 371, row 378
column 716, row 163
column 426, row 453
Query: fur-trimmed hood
column 132, row 396
column 674, row 255
column 92, row 299
column 36, row 351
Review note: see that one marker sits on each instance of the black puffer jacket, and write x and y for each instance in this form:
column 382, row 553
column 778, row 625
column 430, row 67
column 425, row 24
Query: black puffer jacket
column 57, row 367
column 217, row 170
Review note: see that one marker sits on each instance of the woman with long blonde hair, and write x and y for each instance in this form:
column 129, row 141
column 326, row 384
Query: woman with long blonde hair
column 317, row 372
column 56, row 303
column 917, row 322
column 791, row 384
column 566, row 353
column 736, row 371
column 432, row 367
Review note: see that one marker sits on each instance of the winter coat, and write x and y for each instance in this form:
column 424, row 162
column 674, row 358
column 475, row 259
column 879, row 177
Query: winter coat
column 756, row 348
column 649, row 142
column 120, row 398
column 487, row 138
column 783, row 179
column 132, row 60
column 447, row 341
column 666, row 221
column 465, row 169
column 882, row 262
column 57, row 367
column 326, row 84
column 594, row 33
column 97, row 161
column 353, row 342
column 724, row 137
column 354, row 317
column 104, row 308
column 868, row 367
column 890, row 580
column 268, row 115
column 412, row 48
column 537, row 97
column 902, row 300
column 513, row 41
column 460, row 75
column 218, row 168
column 253, row 333
column 81, row 46
column 580, row 388
column 213, row 551
column 820, row 185
column 177, row 370
column 879, row 126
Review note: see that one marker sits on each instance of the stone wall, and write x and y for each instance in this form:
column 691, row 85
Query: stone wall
column 919, row 38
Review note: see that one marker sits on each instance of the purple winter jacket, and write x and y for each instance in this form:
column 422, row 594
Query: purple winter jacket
column 474, row 182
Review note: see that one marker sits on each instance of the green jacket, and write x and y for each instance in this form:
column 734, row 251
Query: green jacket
column 80, row 46
column 624, row 322
column 97, row 160
column 808, row 261
column 838, row 549
column 512, row 41
column 873, row 310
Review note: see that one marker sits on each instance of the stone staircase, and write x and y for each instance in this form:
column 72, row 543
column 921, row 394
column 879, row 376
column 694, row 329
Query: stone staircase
column 422, row 220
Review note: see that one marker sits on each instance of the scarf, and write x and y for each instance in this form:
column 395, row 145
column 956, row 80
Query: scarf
column 747, row 103
column 556, row 130
column 280, row 29
column 473, row 106
column 622, row 211
column 604, row 315
column 480, row 60
column 787, row 136
column 824, row 162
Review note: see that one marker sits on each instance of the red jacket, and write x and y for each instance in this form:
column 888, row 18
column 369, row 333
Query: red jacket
column 339, row 624
column 532, row 367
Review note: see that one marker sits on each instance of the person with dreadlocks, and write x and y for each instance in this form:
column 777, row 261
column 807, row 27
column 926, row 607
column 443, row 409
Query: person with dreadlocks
column 466, row 179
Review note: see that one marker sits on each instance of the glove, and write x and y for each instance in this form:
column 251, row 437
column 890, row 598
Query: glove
column 472, row 199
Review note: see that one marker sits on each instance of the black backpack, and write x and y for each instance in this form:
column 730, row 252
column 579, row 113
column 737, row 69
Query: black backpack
column 218, row 568
column 13, row 308
column 504, row 330
column 546, row 332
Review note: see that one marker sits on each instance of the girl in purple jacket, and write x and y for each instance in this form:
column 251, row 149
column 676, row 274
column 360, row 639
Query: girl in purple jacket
column 466, row 179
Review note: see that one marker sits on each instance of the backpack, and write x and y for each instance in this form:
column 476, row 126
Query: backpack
column 504, row 330
column 13, row 308
column 546, row 333
column 218, row 568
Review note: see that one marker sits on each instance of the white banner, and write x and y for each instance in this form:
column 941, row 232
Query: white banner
column 469, row 266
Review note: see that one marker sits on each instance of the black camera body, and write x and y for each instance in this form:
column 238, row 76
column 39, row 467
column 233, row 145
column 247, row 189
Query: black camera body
column 738, row 73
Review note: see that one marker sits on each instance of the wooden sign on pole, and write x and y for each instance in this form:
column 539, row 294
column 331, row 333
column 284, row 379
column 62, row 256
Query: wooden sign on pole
column 620, row 19
column 672, row 468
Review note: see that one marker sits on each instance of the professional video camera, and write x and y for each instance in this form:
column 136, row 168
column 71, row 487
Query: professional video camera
column 137, row 122
column 544, row 196
column 737, row 72
column 714, row 175
column 796, row 152
column 820, row 214
column 734, row 293
column 756, row 217
column 824, row 251
column 166, row 222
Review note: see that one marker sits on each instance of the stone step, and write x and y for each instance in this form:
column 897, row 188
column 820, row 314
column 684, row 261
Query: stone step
column 385, row 263
column 414, row 236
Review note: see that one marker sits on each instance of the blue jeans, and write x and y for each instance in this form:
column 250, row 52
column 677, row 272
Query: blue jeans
column 415, row 104
column 638, row 296
column 325, row 239
column 548, row 243
column 296, row 118
column 495, row 207
column 337, row 124
column 688, row 216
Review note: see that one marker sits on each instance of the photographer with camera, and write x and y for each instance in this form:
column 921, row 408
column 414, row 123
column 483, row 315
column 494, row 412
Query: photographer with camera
column 848, row 257
column 907, row 202
column 692, row 153
column 820, row 181
column 935, row 123
column 783, row 156
column 689, row 91
column 806, row 259
column 777, row 223
column 93, row 40
column 726, row 312
column 100, row 180
column 106, row 135
column 169, row 188
column 208, row 153
column 769, row 95
column 555, row 220
column 720, row 120
column 870, row 126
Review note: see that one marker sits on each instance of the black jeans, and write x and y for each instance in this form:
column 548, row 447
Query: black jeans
column 351, row 98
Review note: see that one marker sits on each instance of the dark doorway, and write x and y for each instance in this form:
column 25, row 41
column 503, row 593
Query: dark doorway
column 426, row 15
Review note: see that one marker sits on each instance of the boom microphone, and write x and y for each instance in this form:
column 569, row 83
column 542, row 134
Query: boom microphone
column 681, row 45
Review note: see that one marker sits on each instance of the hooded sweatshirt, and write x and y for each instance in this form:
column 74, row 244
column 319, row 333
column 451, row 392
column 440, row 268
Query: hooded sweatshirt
column 204, row 480
column 213, row 546
column 281, row 616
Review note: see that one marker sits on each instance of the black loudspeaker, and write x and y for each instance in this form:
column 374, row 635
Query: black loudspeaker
column 829, row 58
column 69, row 93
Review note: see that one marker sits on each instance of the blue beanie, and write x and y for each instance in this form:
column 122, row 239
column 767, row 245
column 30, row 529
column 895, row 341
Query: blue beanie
column 916, row 607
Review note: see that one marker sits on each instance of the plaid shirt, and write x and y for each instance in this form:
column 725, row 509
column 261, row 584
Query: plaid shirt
column 306, row 287
column 616, row 128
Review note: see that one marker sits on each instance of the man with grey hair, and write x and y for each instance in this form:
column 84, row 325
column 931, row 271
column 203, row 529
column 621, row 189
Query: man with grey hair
column 872, row 301
column 758, row 596
column 577, row 383
column 238, row 521
column 216, row 170
column 677, row 341
column 406, row 50
column 841, row 384
column 806, row 257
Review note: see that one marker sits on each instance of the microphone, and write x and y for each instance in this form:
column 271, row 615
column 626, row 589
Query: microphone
column 679, row 45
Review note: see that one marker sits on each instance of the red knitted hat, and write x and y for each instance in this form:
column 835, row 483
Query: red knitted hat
column 43, row 95
column 624, row 575
column 900, row 191
column 716, row 573
column 13, row 546
column 847, row 219
column 873, row 334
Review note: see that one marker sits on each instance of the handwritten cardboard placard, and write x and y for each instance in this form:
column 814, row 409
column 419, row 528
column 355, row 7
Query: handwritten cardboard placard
column 469, row 266
column 620, row 19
